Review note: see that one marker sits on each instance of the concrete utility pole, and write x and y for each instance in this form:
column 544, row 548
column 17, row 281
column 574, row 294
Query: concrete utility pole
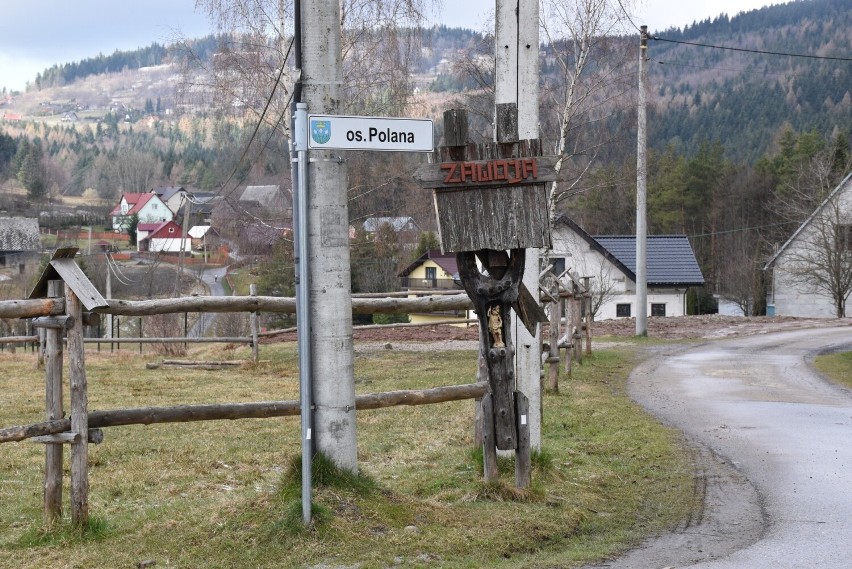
column 516, row 71
column 328, row 242
column 641, row 193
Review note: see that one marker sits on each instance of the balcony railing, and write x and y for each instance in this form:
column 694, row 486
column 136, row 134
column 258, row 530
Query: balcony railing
column 429, row 284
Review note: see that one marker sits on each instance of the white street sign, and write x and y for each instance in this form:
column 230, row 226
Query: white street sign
column 369, row 133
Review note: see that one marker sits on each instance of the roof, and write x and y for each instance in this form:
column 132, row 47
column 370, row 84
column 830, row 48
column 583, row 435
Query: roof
column 148, row 226
column 846, row 184
column 166, row 192
column 373, row 224
column 19, row 234
column 198, row 231
column 135, row 201
column 266, row 196
column 670, row 259
column 160, row 231
column 447, row 262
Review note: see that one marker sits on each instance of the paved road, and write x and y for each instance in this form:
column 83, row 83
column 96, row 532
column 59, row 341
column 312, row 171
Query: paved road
column 774, row 450
column 212, row 277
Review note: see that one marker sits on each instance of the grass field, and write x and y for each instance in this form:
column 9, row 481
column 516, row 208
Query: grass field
column 837, row 367
column 223, row 494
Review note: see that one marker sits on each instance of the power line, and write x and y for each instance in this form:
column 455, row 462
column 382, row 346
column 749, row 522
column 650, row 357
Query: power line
column 745, row 50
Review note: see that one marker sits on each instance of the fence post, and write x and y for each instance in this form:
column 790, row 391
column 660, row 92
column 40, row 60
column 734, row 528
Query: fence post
column 53, row 409
column 255, row 349
column 79, row 412
column 553, row 353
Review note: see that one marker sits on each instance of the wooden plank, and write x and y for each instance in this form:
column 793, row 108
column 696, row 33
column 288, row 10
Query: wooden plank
column 489, row 449
column 491, row 172
column 506, row 122
column 79, row 411
column 53, row 409
column 523, row 457
column 455, row 127
column 83, row 288
column 513, row 217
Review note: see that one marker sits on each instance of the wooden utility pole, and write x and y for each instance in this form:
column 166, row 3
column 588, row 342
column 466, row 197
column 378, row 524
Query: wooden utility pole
column 517, row 73
column 641, row 193
column 328, row 243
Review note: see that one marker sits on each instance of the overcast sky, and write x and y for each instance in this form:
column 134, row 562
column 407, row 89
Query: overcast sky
column 35, row 34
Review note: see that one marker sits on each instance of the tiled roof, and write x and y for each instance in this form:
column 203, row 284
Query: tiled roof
column 670, row 258
column 19, row 234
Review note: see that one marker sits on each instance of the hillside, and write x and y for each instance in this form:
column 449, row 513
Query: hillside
column 743, row 98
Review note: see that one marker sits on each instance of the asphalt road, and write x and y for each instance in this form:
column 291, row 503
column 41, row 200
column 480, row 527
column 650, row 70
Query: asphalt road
column 773, row 453
column 212, row 277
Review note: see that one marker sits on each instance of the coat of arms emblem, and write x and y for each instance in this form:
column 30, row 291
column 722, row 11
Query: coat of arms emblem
column 321, row 130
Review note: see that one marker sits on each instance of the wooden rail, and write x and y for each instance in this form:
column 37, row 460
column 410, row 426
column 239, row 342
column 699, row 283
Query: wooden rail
column 285, row 305
column 230, row 411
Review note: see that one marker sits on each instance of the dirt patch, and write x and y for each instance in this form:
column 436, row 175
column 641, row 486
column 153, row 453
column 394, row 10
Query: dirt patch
column 671, row 328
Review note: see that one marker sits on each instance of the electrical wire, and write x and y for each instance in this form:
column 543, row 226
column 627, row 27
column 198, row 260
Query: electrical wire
column 745, row 50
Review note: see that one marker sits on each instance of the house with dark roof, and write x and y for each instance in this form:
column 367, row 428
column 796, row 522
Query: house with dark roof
column 172, row 196
column 432, row 271
column 264, row 198
column 810, row 275
column 610, row 261
column 148, row 206
column 19, row 241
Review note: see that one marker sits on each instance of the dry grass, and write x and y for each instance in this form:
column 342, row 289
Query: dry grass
column 837, row 367
column 221, row 494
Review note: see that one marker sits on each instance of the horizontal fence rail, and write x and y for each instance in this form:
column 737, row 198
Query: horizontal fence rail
column 285, row 305
column 231, row 411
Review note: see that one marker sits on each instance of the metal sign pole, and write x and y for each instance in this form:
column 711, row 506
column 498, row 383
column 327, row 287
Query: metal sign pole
column 303, row 318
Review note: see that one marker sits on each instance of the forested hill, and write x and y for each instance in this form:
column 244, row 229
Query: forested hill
column 154, row 54
column 744, row 97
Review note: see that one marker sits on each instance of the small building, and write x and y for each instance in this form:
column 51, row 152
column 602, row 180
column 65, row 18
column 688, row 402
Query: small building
column 264, row 198
column 149, row 207
column 610, row 261
column 172, row 196
column 433, row 271
column 815, row 264
column 19, row 241
column 166, row 238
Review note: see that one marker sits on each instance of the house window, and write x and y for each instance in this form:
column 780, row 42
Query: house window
column 622, row 310
column 843, row 237
column 171, row 229
column 558, row 265
column 658, row 309
column 432, row 275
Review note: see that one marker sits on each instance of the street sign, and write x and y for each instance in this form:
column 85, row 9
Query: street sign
column 334, row 132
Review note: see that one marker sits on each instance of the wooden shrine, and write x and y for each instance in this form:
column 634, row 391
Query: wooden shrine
column 491, row 205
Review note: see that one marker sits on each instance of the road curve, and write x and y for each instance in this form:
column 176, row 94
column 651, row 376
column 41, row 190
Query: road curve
column 774, row 453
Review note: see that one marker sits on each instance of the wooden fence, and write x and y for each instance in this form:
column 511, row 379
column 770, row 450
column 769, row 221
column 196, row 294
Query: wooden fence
column 62, row 312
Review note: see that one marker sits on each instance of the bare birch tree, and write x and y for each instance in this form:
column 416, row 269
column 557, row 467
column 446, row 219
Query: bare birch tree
column 819, row 261
column 590, row 81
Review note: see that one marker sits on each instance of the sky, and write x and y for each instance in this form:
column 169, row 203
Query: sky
column 36, row 34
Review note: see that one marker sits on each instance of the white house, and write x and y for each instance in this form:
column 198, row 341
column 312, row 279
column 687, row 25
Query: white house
column 167, row 238
column 611, row 262
column 149, row 207
column 811, row 273
column 172, row 196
